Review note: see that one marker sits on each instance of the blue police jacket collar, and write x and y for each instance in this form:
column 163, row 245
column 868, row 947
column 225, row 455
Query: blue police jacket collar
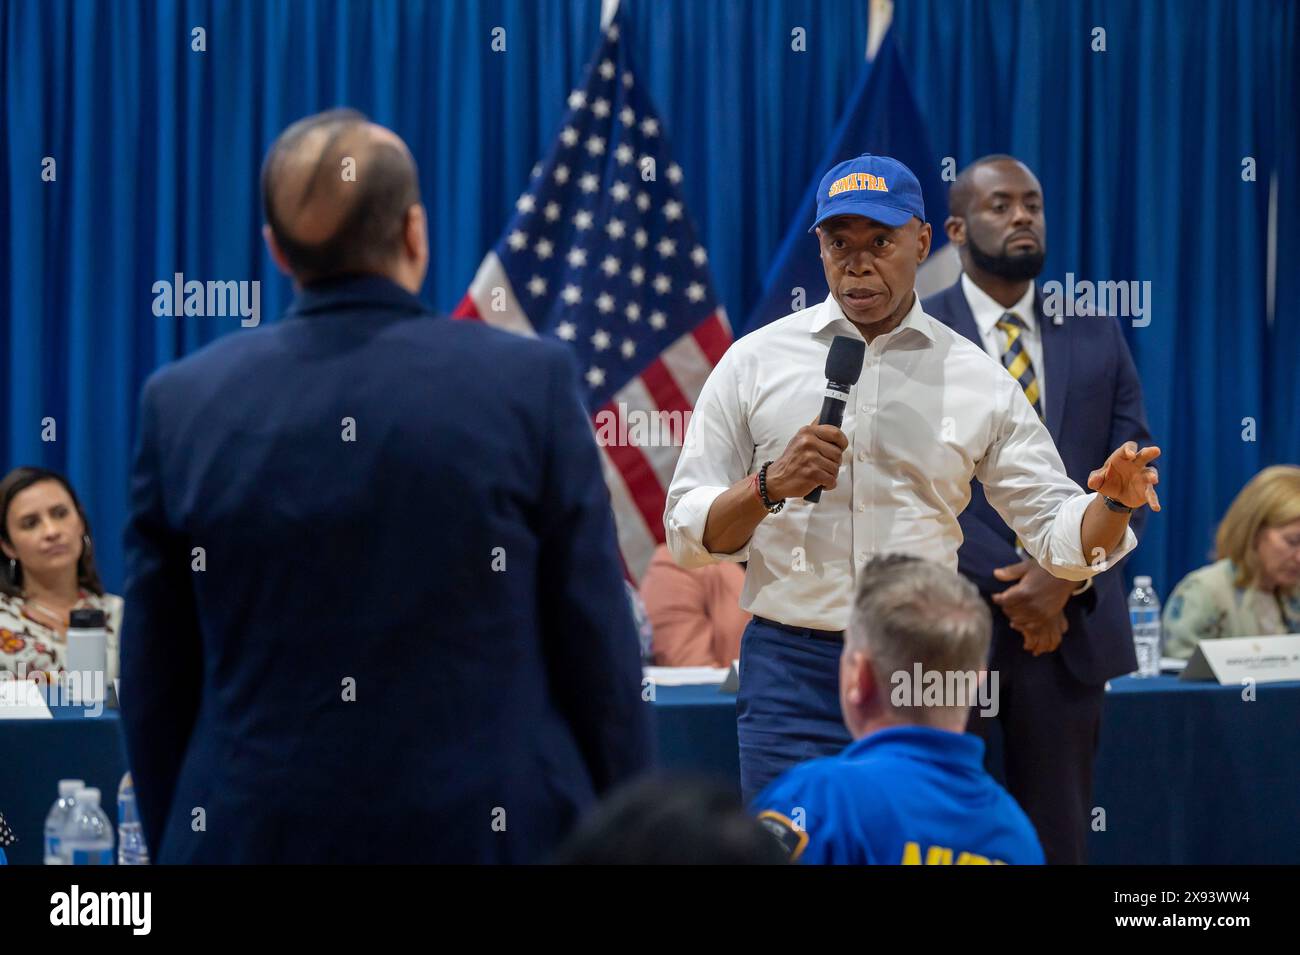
column 923, row 742
column 350, row 292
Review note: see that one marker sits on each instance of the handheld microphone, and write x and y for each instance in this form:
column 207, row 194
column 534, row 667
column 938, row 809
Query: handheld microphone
column 843, row 366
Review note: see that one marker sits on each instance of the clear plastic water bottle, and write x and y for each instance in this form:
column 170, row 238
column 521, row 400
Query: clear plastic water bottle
column 58, row 818
column 88, row 837
column 130, row 835
column 1144, row 614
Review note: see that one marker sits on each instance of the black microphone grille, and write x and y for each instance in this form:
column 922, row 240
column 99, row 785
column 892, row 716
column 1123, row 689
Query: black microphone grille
column 844, row 360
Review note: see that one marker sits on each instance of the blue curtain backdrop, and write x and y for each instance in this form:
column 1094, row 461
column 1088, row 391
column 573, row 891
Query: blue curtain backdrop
column 1139, row 150
column 158, row 147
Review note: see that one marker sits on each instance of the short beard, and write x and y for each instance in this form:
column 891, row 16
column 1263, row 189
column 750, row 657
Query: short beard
column 1014, row 268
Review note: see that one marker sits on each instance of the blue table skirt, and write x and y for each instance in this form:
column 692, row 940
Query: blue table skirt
column 1187, row 772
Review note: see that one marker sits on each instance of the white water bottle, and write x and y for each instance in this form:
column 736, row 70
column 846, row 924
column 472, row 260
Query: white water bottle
column 58, row 818
column 87, row 657
column 88, row 836
column 130, row 834
column 1144, row 615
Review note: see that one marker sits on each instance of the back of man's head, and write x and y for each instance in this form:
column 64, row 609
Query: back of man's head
column 910, row 612
column 338, row 192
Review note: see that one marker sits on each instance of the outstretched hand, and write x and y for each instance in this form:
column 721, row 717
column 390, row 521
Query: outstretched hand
column 1127, row 476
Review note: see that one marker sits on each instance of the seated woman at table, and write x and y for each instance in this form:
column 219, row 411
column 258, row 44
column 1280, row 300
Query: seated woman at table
column 695, row 614
column 47, row 571
column 1253, row 589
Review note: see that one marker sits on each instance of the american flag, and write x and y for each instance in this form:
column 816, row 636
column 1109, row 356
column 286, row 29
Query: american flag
column 7, row 837
column 601, row 254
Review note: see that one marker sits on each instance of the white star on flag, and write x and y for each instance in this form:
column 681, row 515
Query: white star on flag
column 695, row 291
column 567, row 330
column 543, row 249
column 649, row 127
column 577, row 100
column 576, row 257
column 609, row 265
column 600, row 340
column 699, row 256
column 537, row 285
column 605, row 302
column 568, row 135
column 672, row 210
column 595, row 377
column 518, row 240
column 526, row 203
column 662, row 284
column 666, row 248
column 572, row 295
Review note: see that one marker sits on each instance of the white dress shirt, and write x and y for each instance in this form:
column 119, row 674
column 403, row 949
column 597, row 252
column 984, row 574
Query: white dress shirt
column 929, row 412
column 988, row 313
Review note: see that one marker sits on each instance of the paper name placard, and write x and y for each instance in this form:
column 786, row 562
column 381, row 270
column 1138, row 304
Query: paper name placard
column 1233, row 659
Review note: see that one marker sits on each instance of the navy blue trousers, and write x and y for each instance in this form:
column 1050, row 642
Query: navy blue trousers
column 788, row 708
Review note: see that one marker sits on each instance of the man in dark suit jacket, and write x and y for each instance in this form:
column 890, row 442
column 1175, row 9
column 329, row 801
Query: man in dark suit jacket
column 377, row 611
column 1054, row 645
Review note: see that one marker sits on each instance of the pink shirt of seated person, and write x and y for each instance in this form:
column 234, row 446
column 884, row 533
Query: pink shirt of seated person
column 695, row 614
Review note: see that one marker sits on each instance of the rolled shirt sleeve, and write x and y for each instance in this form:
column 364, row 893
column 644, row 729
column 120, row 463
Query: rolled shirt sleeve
column 1025, row 481
column 718, row 452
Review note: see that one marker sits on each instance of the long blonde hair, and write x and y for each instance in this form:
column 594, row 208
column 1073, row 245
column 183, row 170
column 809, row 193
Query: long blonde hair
column 1270, row 499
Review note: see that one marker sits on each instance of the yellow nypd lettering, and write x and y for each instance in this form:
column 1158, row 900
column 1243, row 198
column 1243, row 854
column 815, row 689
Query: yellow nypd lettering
column 942, row 855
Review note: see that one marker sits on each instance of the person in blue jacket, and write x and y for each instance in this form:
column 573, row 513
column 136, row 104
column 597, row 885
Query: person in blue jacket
column 376, row 607
column 911, row 788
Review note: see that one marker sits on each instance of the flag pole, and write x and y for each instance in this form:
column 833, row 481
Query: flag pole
column 880, row 13
column 607, row 10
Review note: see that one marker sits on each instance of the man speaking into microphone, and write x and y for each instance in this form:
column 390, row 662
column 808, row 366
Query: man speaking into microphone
column 927, row 411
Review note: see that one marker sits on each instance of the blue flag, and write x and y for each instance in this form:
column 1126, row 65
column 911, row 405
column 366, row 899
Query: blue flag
column 882, row 118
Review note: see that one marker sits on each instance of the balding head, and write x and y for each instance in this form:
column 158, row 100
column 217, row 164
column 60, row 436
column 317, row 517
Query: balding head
column 341, row 196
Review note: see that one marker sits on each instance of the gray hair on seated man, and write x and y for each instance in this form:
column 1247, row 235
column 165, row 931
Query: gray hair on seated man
column 916, row 649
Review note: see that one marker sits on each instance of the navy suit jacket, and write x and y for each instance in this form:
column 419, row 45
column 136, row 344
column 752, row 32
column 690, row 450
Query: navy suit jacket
column 1094, row 404
column 376, row 607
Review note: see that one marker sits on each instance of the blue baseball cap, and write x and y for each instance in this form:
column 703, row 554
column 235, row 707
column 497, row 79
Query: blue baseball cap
column 877, row 187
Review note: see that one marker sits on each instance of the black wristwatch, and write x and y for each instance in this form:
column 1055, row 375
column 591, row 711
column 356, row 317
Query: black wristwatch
column 772, row 506
column 1116, row 506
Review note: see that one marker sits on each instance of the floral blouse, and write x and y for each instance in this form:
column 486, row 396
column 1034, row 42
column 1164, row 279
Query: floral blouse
column 27, row 645
column 1208, row 605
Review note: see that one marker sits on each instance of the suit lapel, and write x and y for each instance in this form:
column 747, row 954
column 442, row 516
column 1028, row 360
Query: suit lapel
column 1056, row 358
column 963, row 320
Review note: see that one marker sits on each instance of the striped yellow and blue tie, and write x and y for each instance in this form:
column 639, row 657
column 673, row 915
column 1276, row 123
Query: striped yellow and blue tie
column 1015, row 359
